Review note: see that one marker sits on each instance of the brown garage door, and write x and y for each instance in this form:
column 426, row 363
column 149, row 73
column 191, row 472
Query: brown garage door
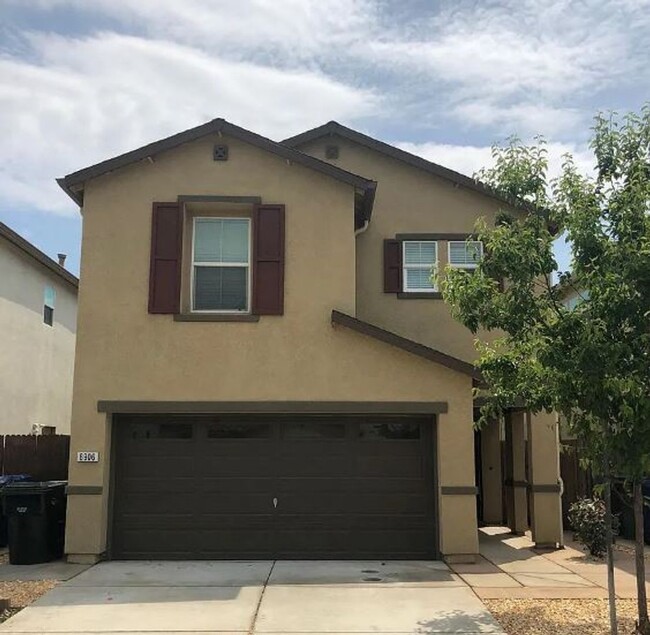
column 217, row 487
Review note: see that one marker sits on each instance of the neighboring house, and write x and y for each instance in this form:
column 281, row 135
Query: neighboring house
column 38, row 314
column 266, row 369
column 573, row 296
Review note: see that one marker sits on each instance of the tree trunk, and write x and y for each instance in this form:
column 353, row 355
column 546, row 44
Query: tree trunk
column 643, row 624
column 611, row 589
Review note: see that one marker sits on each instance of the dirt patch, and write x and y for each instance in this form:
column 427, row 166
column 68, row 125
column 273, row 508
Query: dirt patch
column 561, row 617
column 21, row 594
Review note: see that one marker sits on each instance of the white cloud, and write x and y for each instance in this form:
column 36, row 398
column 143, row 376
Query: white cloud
column 520, row 118
column 516, row 64
column 468, row 159
column 278, row 67
column 289, row 31
column 88, row 99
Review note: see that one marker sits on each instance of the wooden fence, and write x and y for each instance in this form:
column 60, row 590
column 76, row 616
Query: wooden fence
column 43, row 457
column 578, row 482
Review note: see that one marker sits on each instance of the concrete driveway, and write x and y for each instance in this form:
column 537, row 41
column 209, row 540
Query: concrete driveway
column 281, row 597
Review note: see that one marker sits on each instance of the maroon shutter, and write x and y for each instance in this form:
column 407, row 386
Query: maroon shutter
column 268, row 260
column 165, row 268
column 392, row 266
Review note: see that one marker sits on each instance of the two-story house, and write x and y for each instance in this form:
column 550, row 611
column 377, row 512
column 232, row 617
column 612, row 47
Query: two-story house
column 38, row 315
column 265, row 366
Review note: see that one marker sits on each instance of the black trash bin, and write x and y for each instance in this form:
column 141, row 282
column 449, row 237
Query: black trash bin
column 36, row 520
column 4, row 481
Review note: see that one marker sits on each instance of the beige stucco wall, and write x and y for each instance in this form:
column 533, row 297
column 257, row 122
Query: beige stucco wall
column 124, row 353
column 544, row 474
column 409, row 200
column 36, row 363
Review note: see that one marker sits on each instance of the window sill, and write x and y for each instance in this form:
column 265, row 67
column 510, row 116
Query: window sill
column 420, row 295
column 215, row 317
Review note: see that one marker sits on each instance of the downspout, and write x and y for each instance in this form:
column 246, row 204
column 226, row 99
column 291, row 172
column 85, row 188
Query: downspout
column 362, row 228
column 358, row 232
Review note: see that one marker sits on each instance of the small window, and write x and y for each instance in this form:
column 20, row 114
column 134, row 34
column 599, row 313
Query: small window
column 48, row 430
column 465, row 254
column 420, row 258
column 313, row 431
column 49, row 299
column 221, row 265
column 389, row 430
column 239, row 431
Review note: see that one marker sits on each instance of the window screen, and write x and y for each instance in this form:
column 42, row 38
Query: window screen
column 419, row 262
column 465, row 254
column 221, row 267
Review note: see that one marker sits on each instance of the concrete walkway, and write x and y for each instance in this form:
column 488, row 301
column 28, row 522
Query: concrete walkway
column 57, row 570
column 296, row 598
column 510, row 568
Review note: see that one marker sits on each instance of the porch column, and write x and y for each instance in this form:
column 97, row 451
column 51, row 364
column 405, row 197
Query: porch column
column 544, row 469
column 516, row 492
column 491, row 477
column 458, row 527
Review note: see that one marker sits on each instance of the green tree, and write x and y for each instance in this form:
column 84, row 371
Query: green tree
column 590, row 363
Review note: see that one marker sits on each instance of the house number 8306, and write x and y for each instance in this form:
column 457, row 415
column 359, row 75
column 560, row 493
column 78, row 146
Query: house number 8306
column 87, row 457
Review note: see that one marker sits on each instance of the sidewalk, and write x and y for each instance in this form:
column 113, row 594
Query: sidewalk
column 509, row 567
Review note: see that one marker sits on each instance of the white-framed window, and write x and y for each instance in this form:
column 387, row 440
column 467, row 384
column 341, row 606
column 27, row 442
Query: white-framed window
column 465, row 254
column 419, row 264
column 221, row 265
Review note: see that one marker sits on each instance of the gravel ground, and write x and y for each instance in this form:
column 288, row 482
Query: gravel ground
column 20, row 594
column 561, row 617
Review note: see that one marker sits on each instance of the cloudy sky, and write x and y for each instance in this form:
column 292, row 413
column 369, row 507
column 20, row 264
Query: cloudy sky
column 83, row 80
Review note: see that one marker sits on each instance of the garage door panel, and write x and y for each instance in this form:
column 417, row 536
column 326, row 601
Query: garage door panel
column 296, row 540
column 152, row 543
column 249, row 465
column 226, row 540
column 159, row 522
column 246, row 522
column 158, row 486
column 158, row 466
column 147, row 503
column 237, row 504
column 391, row 466
column 302, row 465
column 241, row 484
column 345, row 487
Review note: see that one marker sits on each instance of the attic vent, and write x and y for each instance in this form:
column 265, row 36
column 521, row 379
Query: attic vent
column 331, row 152
column 220, row 153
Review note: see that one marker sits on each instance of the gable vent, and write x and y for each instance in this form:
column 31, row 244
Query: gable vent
column 331, row 152
column 220, row 153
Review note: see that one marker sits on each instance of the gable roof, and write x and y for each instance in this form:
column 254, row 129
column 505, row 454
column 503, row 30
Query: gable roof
column 72, row 184
column 334, row 128
column 36, row 254
column 410, row 346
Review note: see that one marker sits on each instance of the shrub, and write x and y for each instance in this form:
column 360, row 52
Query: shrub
column 587, row 519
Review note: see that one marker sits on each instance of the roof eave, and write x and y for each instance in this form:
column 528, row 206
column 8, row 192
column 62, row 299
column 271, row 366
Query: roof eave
column 405, row 344
column 77, row 197
column 334, row 128
column 73, row 183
